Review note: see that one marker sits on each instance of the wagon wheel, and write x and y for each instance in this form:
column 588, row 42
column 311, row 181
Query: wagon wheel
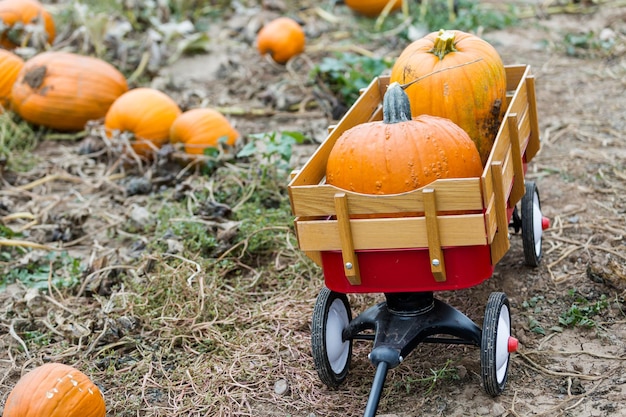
column 496, row 344
column 331, row 354
column 532, row 227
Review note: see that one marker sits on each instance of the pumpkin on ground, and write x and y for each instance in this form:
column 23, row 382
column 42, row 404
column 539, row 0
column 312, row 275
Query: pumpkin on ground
column 203, row 128
column 55, row 390
column 400, row 154
column 282, row 38
column 63, row 90
column 458, row 76
column 372, row 8
column 10, row 66
column 15, row 14
column 145, row 112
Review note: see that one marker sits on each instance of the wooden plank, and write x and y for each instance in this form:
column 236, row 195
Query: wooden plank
column 491, row 224
column 519, row 103
column 392, row 233
column 460, row 194
column 533, row 144
column 350, row 262
column 514, row 74
column 518, row 189
column 437, row 264
column 500, row 244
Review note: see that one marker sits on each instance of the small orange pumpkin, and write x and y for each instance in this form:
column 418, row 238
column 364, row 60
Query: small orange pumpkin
column 145, row 112
column 55, row 390
column 202, row 128
column 24, row 12
column 400, row 154
column 63, row 91
column 460, row 77
column 283, row 38
column 10, row 66
column 372, row 8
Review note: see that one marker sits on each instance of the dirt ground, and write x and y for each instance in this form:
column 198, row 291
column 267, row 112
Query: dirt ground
column 581, row 175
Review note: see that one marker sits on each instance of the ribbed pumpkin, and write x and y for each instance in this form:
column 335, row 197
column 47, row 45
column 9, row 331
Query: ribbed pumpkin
column 63, row 91
column 282, row 38
column 461, row 77
column 372, row 8
column 10, row 66
column 202, row 128
column 145, row 112
column 55, row 390
column 400, row 154
column 24, row 12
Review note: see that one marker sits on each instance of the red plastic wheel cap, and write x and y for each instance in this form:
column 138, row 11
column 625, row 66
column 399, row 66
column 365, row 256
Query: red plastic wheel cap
column 545, row 223
column 512, row 344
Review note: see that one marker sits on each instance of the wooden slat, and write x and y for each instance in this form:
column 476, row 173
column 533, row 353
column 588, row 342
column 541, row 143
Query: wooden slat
column 533, row 144
column 500, row 244
column 491, row 225
column 514, row 74
column 517, row 188
column 350, row 262
column 461, row 194
column 392, row 233
column 437, row 264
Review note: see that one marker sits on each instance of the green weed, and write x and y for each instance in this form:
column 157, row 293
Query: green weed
column 445, row 373
column 346, row 74
column 583, row 311
column 590, row 44
column 57, row 269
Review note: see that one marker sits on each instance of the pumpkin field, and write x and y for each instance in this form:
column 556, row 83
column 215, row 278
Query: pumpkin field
column 149, row 260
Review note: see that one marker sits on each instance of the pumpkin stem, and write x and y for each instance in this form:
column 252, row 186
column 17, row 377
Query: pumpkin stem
column 396, row 105
column 444, row 43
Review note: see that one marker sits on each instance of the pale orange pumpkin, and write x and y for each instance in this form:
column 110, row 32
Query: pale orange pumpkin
column 372, row 8
column 202, row 128
column 400, row 154
column 460, row 77
column 24, row 12
column 145, row 112
column 10, row 66
column 64, row 91
column 282, row 38
column 55, row 390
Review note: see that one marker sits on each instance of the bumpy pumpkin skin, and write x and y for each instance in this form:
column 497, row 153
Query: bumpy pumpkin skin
column 202, row 128
column 372, row 8
column 145, row 112
column 63, row 91
column 282, row 38
column 24, row 12
column 10, row 66
column 467, row 86
column 55, row 390
column 382, row 158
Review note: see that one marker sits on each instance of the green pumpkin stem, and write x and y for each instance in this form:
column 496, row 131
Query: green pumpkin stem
column 396, row 105
column 444, row 44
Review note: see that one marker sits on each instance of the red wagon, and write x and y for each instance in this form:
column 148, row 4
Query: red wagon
column 455, row 244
